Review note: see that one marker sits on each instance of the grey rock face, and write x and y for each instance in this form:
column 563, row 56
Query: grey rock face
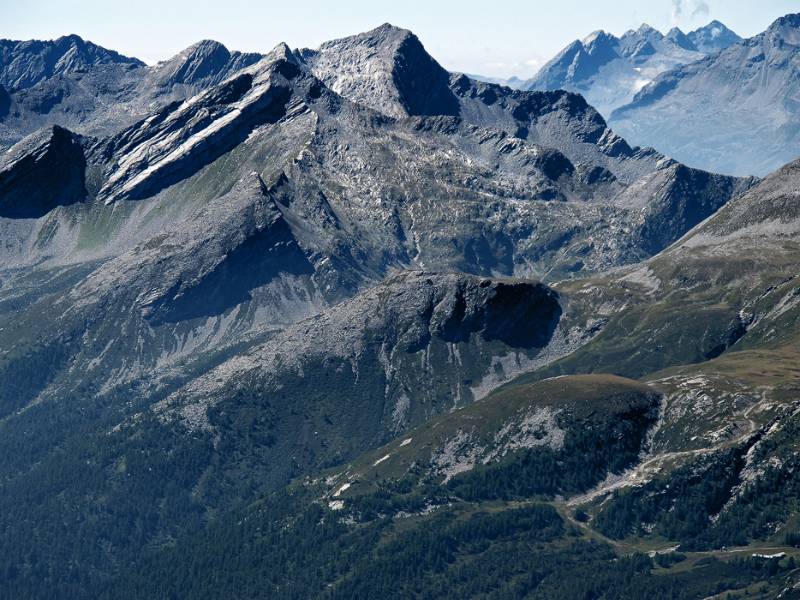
column 609, row 71
column 386, row 69
column 682, row 40
column 770, row 210
column 732, row 112
column 216, row 121
column 208, row 264
column 207, row 62
column 692, row 197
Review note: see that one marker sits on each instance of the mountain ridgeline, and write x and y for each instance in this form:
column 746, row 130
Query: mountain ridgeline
column 337, row 323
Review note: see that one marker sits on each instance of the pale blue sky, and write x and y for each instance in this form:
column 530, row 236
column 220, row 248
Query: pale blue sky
column 492, row 37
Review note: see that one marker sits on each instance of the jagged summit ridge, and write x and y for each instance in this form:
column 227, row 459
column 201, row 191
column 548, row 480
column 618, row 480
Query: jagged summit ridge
column 154, row 152
column 23, row 64
column 98, row 92
column 504, row 144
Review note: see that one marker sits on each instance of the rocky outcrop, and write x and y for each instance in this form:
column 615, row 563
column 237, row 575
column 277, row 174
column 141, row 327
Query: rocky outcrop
column 43, row 171
column 688, row 197
column 183, row 138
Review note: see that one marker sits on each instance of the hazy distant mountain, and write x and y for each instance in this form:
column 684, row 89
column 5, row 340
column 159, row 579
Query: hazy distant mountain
column 608, row 71
column 713, row 37
column 737, row 111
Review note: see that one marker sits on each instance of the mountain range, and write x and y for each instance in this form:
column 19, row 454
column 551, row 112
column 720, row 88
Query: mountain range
column 707, row 98
column 732, row 112
column 608, row 71
column 338, row 323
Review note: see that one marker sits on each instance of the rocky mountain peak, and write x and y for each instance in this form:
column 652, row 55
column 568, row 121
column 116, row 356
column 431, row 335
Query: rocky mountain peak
column 206, row 61
column 680, row 39
column 387, row 69
column 599, row 41
column 648, row 31
column 282, row 51
column 713, row 37
column 592, row 37
column 197, row 61
column 578, row 61
column 42, row 171
column 206, row 48
column 388, row 31
column 790, row 20
column 640, row 42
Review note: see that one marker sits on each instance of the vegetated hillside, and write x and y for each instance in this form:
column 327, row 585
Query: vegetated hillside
column 469, row 504
column 560, row 436
column 733, row 112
